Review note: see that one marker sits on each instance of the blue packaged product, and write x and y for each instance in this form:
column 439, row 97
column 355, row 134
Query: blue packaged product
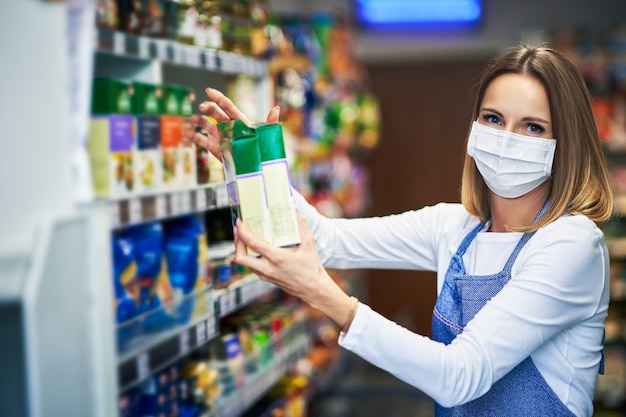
column 182, row 254
column 185, row 252
column 125, row 287
column 155, row 291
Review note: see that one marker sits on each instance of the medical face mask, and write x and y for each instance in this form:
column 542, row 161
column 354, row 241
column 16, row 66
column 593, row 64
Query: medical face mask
column 511, row 164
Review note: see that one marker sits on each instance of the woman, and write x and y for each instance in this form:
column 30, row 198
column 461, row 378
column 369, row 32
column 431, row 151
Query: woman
column 522, row 267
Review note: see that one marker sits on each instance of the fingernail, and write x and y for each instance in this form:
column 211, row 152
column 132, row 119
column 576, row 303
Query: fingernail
column 202, row 106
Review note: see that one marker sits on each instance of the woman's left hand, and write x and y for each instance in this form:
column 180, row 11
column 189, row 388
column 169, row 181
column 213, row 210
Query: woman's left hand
column 297, row 270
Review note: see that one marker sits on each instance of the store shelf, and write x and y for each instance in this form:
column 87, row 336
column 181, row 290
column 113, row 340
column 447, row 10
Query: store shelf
column 142, row 365
column 162, row 205
column 295, row 343
column 168, row 51
column 240, row 293
column 148, row 353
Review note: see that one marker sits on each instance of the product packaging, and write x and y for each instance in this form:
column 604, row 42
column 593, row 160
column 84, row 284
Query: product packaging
column 148, row 155
column 155, row 290
column 186, row 98
column 126, row 289
column 112, row 139
column 111, row 142
column 186, row 254
column 278, row 190
column 241, row 158
column 179, row 162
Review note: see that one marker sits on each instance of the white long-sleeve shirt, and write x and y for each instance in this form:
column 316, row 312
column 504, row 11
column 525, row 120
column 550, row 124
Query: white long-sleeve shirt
column 552, row 309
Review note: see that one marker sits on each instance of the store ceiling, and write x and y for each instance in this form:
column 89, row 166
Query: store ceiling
column 505, row 22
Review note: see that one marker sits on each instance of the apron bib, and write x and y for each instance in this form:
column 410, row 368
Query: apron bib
column 522, row 392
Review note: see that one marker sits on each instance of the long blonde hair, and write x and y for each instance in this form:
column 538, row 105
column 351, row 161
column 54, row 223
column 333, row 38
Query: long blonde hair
column 580, row 179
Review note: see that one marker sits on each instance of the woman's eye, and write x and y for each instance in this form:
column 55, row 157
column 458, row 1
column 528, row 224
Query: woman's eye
column 535, row 129
column 490, row 118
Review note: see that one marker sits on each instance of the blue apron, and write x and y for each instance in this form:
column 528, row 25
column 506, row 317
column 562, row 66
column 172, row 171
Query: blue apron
column 522, row 392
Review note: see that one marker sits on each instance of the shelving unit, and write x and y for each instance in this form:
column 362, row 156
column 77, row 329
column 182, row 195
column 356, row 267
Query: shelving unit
column 160, row 61
column 59, row 355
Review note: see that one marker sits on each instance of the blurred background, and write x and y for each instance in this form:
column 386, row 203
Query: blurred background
column 118, row 292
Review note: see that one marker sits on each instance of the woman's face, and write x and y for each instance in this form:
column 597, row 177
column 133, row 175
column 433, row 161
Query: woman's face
column 517, row 103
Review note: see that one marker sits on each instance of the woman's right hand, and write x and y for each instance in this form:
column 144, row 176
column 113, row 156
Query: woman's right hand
column 221, row 109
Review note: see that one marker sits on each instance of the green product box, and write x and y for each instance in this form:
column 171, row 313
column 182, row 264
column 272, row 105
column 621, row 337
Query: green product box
column 282, row 212
column 241, row 158
column 111, row 96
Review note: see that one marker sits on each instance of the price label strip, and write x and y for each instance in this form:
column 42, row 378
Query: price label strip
column 201, row 199
column 211, row 327
column 184, row 345
column 143, row 47
column 161, row 49
column 191, row 56
column 143, row 366
column 160, row 208
column 119, row 43
column 175, row 204
column 115, row 215
column 185, row 202
column 201, row 333
column 178, row 54
column 228, row 303
column 134, row 210
column 211, row 59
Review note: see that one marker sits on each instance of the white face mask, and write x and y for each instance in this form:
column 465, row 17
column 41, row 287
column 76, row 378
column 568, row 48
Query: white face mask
column 511, row 164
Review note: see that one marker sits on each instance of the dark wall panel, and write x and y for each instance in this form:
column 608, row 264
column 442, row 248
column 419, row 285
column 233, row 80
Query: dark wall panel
column 425, row 114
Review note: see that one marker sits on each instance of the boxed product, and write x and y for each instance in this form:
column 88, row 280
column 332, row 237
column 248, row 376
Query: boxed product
column 148, row 155
column 187, row 98
column 241, row 158
column 110, row 145
column 111, row 96
column 278, row 189
column 257, row 177
column 179, row 161
column 112, row 138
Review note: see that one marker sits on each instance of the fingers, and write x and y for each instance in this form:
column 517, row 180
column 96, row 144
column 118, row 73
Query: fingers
column 263, row 248
column 210, row 140
column 259, row 265
column 227, row 106
column 214, row 110
column 274, row 115
column 303, row 227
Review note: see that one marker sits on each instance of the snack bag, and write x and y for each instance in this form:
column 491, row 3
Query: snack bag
column 155, row 291
column 125, row 288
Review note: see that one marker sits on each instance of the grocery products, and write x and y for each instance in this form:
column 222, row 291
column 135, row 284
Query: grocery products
column 257, row 176
column 275, row 167
column 242, row 168
column 111, row 143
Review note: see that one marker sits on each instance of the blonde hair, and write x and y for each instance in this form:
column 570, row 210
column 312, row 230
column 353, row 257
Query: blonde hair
column 580, row 179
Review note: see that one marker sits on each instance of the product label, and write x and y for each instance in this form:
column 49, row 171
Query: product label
column 280, row 203
column 148, row 166
column 171, row 131
column 188, row 166
column 171, row 137
column 122, row 133
column 253, row 205
column 148, row 132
